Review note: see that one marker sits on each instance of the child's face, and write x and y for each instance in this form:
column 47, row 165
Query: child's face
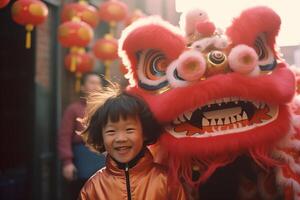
column 123, row 140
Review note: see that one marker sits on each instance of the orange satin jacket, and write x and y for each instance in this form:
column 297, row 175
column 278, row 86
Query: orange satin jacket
column 147, row 180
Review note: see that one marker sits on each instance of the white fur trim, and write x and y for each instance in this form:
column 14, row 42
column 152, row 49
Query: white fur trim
column 295, row 167
column 283, row 181
column 296, row 120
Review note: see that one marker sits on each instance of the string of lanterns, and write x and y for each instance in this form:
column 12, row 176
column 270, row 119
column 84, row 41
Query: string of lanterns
column 78, row 19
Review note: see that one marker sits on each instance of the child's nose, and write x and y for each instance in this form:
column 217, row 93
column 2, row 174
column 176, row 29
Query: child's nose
column 121, row 137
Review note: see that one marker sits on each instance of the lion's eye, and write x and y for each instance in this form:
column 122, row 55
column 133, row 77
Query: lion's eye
column 266, row 59
column 152, row 67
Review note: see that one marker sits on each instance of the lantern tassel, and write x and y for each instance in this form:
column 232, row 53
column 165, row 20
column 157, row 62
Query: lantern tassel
column 73, row 63
column 29, row 28
column 107, row 69
column 112, row 27
column 77, row 82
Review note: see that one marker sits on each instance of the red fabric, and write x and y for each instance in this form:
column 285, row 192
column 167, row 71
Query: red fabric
column 253, row 22
column 67, row 132
column 280, row 86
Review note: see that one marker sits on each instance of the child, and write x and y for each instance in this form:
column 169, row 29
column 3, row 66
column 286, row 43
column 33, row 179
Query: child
column 122, row 125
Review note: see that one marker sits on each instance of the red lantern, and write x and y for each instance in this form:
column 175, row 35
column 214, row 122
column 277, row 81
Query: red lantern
column 3, row 3
column 113, row 11
column 82, row 10
column 75, row 33
column 106, row 49
column 83, row 61
column 79, row 62
column 29, row 13
column 137, row 14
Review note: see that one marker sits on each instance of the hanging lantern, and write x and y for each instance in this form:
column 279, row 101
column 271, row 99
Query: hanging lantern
column 75, row 33
column 29, row 13
column 84, row 62
column 81, row 10
column 106, row 49
column 3, row 3
column 137, row 14
column 113, row 11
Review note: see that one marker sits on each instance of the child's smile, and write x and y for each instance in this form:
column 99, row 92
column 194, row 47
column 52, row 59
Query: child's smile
column 123, row 139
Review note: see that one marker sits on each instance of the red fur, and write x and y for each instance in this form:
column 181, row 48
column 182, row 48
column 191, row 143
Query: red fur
column 210, row 153
column 280, row 87
column 253, row 22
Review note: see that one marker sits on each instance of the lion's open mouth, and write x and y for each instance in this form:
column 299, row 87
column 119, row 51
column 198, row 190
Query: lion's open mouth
column 223, row 116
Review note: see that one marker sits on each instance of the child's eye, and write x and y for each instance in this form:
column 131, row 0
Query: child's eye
column 130, row 130
column 110, row 132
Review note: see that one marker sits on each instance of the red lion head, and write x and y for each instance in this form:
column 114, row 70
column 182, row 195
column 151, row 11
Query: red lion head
column 218, row 96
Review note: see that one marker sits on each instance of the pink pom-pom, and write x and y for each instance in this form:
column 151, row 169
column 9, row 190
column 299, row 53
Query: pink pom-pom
column 206, row 29
column 242, row 59
column 191, row 65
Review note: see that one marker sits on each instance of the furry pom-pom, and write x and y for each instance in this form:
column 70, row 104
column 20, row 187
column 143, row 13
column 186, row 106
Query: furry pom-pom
column 243, row 59
column 191, row 65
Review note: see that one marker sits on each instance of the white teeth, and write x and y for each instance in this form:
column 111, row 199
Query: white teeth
column 205, row 122
column 227, row 99
column 232, row 119
column 219, row 101
column 188, row 114
column 227, row 121
column 244, row 116
column 213, row 122
column 238, row 118
column 181, row 118
column 176, row 121
column 220, row 122
column 256, row 103
column 234, row 98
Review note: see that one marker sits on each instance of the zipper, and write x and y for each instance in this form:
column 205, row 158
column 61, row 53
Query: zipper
column 127, row 182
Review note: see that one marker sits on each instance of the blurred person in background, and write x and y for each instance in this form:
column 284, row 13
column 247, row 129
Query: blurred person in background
column 78, row 162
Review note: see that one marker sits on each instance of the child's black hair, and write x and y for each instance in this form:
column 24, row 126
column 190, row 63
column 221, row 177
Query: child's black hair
column 122, row 105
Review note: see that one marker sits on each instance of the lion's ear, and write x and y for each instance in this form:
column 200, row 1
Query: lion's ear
column 147, row 47
column 257, row 27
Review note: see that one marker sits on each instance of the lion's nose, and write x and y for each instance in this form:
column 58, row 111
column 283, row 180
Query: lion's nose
column 216, row 63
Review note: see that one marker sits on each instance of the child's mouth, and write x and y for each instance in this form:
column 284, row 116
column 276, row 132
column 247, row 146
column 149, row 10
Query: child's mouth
column 123, row 149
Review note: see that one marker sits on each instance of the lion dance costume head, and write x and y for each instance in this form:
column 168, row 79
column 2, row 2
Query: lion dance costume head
column 220, row 95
